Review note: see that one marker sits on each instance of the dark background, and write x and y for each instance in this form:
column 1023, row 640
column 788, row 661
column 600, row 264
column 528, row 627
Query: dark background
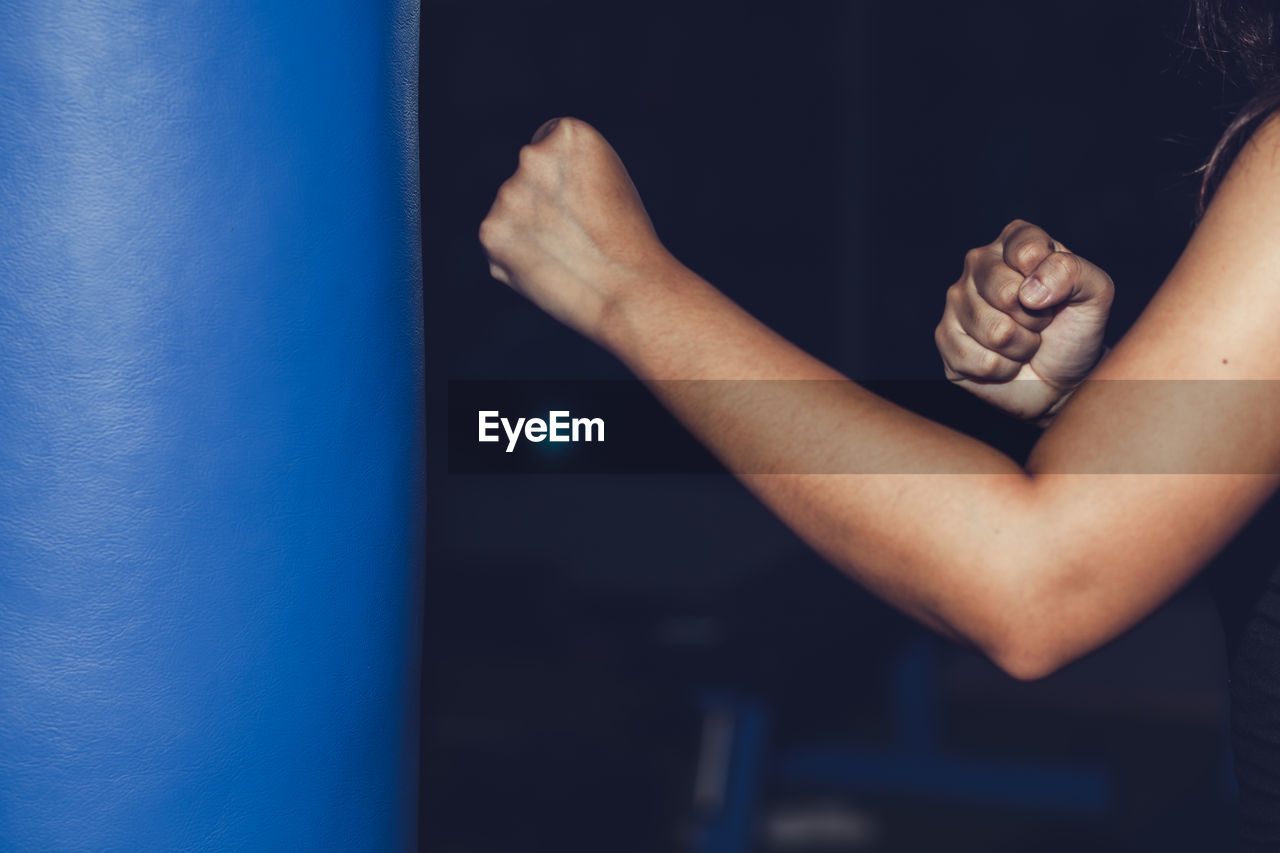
column 826, row 164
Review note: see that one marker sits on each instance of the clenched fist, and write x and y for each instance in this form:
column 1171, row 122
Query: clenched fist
column 568, row 229
column 1023, row 326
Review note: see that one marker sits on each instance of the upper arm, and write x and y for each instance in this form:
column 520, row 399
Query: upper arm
column 1145, row 475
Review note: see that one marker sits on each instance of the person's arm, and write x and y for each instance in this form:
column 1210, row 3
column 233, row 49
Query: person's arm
column 1035, row 566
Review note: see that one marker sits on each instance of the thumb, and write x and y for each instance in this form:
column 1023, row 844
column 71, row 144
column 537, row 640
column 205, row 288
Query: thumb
column 1064, row 279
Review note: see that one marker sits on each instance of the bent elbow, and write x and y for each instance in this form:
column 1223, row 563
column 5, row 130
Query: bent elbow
column 1030, row 638
column 1027, row 663
column 1036, row 647
column 1030, row 623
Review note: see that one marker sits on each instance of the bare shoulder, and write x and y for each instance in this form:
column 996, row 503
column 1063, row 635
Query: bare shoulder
column 1254, row 177
column 1216, row 315
column 1262, row 150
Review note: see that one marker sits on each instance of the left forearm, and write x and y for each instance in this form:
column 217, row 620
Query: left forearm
column 793, row 429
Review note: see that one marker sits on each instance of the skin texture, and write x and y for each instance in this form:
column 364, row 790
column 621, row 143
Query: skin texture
column 1130, row 490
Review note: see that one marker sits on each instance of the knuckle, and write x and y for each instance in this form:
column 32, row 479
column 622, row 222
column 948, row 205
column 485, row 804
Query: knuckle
column 565, row 130
column 1005, row 296
column 1028, row 254
column 945, row 340
column 1014, row 226
column 492, row 232
column 942, row 341
column 511, row 193
column 529, row 156
column 999, row 287
column 940, row 336
column 570, row 127
column 986, row 362
column 990, row 364
column 954, row 297
column 583, row 140
column 1001, row 330
column 974, row 257
column 1063, row 265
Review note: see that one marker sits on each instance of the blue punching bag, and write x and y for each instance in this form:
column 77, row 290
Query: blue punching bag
column 211, row 399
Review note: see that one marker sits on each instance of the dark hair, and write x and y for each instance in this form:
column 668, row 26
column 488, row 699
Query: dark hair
column 1240, row 38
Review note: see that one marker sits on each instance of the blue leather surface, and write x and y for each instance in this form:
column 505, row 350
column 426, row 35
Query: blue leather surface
column 210, row 425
